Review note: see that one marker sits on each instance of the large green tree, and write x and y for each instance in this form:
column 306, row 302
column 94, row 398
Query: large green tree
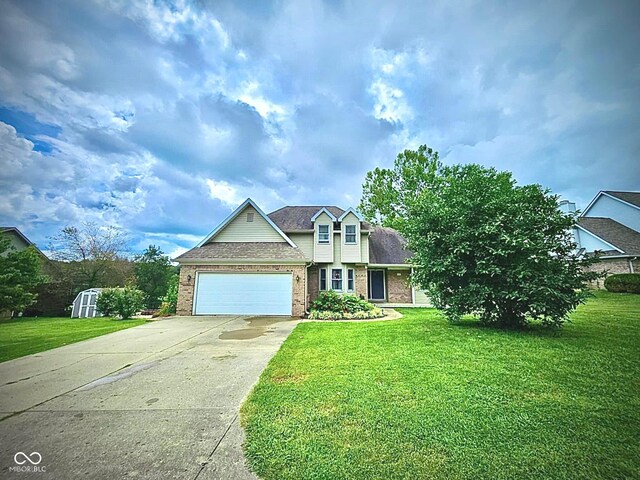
column 481, row 243
column 153, row 272
column 20, row 274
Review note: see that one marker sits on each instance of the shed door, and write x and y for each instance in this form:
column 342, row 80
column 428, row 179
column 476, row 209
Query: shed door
column 243, row 294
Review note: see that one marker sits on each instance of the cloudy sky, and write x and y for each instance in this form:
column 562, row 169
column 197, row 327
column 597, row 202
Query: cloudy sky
column 160, row 117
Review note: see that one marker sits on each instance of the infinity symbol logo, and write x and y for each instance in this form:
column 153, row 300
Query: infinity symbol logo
column 30, row 458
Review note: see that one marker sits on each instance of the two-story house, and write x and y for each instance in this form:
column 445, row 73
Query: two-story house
column 610, row 226
column 276, row 264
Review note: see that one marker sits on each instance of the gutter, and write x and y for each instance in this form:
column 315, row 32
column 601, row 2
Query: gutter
column 240, row 261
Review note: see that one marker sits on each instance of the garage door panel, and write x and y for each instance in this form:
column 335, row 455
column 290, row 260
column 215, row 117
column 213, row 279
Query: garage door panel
column 243, row 294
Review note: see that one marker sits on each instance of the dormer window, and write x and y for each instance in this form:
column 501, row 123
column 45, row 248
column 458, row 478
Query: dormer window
column 350, row 234
column 323, row 234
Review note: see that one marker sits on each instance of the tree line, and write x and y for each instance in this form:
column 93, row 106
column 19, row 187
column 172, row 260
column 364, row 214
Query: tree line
column 83, row 257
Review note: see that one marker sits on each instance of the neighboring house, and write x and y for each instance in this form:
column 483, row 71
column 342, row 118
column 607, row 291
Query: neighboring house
column 276, row 264
column 610, row 225
column 18, row 240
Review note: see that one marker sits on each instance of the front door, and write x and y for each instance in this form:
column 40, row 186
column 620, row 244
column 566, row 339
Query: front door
column 376, row 285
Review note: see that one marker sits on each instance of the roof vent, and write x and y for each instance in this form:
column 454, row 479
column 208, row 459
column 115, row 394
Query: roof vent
column 250, row 217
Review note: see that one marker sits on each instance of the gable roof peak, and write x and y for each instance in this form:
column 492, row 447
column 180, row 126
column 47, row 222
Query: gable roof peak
column 237, row 212
column 321, row 211
column 351, row 210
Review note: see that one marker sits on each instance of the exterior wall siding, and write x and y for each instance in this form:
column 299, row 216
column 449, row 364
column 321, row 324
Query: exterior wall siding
column 620, row 212
column 186, row 288
column 350, row 253
column 323, row 253
column 304, row 241
column 589, row 242
column 398, row 288
column 364, row 248
column 16, row 242
column 421, row 298
column 240, row 230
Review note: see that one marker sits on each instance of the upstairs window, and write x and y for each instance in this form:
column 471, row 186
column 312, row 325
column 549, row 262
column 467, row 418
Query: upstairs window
column 350, row 234
column 323, row 234
column 323, row 279
column 336, row 279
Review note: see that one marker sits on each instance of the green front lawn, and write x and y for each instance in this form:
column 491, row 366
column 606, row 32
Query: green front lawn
column 420, row 398
column 24, row 336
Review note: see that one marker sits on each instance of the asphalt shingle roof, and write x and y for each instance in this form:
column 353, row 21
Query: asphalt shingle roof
column 243, row 251
column 387, row 247
column 290, row 219
column 630, row 197
column 622, row 237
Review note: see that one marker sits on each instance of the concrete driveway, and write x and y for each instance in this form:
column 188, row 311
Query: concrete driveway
column 156, row 401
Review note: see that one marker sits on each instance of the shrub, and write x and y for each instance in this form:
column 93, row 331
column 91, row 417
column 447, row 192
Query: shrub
column 170, row 300
column 331, row 305
column 331, row 301
column 122, row 302
column 106, row 302
column 623, row 283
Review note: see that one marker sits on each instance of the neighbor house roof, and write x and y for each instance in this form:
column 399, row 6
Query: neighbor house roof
column 621, row 237
column 630, row 197
column 231, row 251
column 290, row 219
column 387, row 247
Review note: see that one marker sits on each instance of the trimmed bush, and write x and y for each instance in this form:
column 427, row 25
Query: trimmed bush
column 623, row 283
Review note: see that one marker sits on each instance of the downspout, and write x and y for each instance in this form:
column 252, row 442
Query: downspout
column 631, row 260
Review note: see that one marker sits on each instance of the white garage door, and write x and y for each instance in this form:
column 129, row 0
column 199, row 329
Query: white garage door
column 243, row 294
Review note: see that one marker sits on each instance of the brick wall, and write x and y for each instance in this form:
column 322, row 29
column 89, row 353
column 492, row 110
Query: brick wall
column 313, row 282
column 612, row 266
column 398, row 289
column 186, row 288
column 361, row 282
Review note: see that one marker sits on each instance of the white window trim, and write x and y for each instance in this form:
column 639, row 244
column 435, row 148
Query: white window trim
column 341, row 289
column 355, row 235
column 353, row 279
column 328, row 242
column 320, row 280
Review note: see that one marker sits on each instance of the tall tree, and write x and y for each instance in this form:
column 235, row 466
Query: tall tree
column 94, row 255
column 20, row 274
column 482, row 244
column 153, row 272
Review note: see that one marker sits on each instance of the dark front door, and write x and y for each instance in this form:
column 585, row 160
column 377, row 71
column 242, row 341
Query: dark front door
column 376, row 284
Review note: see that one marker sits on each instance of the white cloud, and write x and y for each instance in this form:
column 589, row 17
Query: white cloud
column 223, row 191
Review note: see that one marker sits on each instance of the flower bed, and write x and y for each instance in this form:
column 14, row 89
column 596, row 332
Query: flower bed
column 333, row 306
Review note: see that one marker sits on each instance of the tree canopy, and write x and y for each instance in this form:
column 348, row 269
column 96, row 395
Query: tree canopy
column 153, row 272
column 481, row 243
column 20, row 274
column 92, row 255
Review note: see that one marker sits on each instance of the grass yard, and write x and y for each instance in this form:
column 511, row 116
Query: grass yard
column 24, row 336
column 420, row 398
